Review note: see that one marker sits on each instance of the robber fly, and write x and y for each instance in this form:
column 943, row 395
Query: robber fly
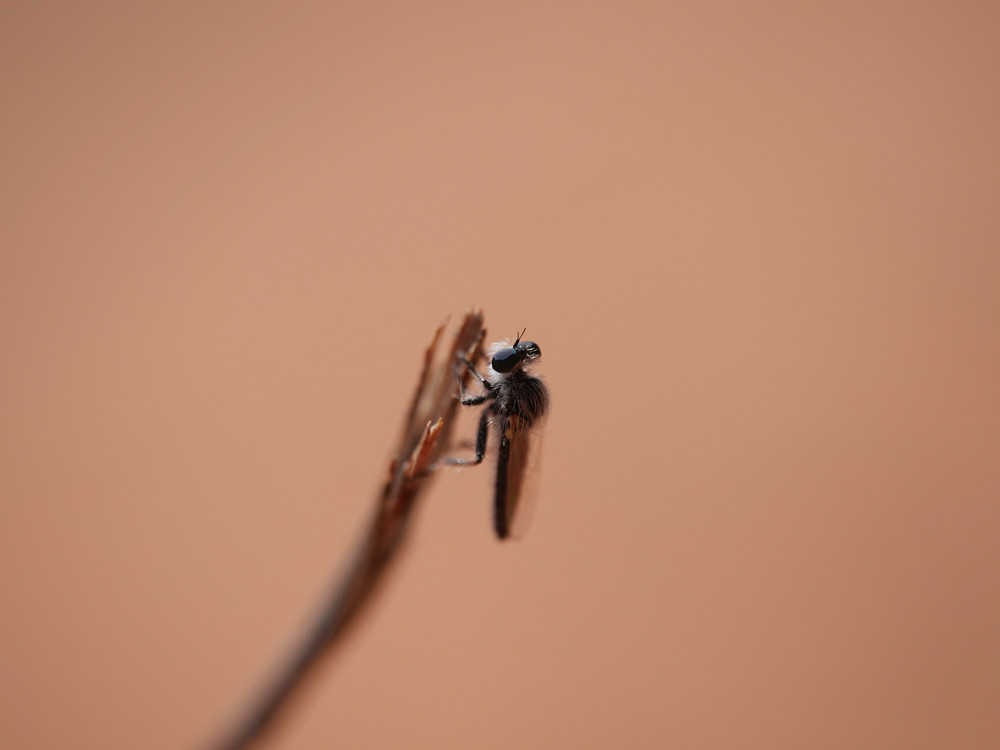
column 515, row 402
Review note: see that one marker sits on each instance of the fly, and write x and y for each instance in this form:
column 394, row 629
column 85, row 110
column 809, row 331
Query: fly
column 515, row 402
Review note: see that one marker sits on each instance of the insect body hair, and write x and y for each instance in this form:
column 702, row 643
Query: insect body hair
column 522, row 395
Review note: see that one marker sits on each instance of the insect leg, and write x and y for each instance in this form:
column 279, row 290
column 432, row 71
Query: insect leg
column 471, row 400
column 475, row 373
column 484, row 426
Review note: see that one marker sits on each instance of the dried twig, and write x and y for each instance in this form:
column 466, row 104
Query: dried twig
column 425, row 435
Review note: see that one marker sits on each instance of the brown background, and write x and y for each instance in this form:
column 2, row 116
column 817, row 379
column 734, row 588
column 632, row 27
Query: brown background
column 759, row 244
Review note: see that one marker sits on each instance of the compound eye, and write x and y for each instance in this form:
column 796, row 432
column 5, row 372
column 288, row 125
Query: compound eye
column 506, row 360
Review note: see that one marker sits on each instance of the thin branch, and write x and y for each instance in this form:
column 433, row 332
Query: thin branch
column 425, row 435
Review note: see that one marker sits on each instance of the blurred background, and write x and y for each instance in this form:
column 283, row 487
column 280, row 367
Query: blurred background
column 758, row 244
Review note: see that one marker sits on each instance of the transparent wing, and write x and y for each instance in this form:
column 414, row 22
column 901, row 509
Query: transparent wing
column 517, row 474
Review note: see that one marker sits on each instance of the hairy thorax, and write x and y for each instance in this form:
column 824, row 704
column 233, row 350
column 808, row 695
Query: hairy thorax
column 522, row 395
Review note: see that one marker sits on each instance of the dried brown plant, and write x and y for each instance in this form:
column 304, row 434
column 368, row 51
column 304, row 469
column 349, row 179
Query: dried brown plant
column 425, row 435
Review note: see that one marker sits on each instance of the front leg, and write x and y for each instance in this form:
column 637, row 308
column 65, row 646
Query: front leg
column 475, row 373
column 472, row 400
